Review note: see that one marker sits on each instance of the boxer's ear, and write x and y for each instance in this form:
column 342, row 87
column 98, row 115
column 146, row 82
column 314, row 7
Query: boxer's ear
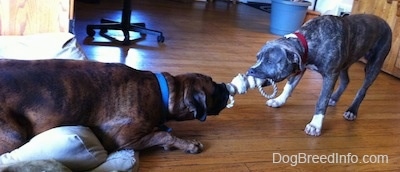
column 196, row 102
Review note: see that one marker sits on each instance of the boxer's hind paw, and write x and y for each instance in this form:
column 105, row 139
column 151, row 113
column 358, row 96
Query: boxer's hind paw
column 350, row 116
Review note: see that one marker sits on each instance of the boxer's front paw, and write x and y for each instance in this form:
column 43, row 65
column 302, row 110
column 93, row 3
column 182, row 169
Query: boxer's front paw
column 194, row 146
column 314, row 127
column 275, row 102
column 350, row 116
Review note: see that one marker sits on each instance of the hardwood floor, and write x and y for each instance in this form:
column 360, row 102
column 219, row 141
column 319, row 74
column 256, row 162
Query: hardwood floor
column 221, row 40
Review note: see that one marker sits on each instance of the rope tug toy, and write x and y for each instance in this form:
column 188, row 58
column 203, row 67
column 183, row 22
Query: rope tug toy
column 263, row 93
column 241, row 83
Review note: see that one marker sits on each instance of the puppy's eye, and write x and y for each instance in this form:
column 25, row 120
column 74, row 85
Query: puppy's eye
column 268, row 60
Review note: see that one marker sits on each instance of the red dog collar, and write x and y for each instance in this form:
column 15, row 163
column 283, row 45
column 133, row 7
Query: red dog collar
column 303, row 42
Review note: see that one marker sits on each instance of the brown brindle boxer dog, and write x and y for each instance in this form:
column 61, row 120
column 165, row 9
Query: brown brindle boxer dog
column 125, row 108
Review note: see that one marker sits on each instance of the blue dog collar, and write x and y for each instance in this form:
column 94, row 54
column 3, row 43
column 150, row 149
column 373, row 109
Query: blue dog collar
column 162, row 82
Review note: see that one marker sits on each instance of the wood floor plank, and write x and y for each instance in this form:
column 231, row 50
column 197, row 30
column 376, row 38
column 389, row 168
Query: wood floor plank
column 221, row 40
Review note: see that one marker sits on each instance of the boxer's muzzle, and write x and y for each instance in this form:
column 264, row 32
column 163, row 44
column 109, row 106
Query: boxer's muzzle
column 220, row 98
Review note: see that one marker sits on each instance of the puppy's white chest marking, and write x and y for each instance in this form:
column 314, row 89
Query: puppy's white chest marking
column 312, row 67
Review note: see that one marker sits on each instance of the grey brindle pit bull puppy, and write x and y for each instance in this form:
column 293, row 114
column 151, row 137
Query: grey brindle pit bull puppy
column 122, row 106
column 334, row 44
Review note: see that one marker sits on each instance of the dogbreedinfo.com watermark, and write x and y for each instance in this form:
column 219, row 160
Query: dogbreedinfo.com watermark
column 334, row 158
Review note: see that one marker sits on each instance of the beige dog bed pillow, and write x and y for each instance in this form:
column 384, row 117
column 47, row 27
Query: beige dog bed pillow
column 41, row 46
column 76, row 147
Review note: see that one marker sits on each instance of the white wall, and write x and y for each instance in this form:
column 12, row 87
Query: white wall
column 333, row 7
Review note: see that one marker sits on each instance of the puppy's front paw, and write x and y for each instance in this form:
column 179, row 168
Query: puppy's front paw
column 332, row 102
column 350, row 116
column 194, row 147
column 314, row 127
column 312, row 130
column 275, row 102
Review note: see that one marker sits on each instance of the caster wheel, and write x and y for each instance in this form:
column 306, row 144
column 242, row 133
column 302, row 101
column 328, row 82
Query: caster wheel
column 90, row 32
column 160, row 39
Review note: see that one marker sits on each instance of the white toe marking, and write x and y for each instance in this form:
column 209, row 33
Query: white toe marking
column 349, row 116
column 281, row 99
column 314, row 127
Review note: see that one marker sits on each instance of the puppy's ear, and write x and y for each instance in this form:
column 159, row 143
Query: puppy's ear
column 295, row 58
column 195, row 100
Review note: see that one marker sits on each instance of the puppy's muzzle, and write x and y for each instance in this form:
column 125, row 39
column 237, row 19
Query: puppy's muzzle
column 259, row 77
